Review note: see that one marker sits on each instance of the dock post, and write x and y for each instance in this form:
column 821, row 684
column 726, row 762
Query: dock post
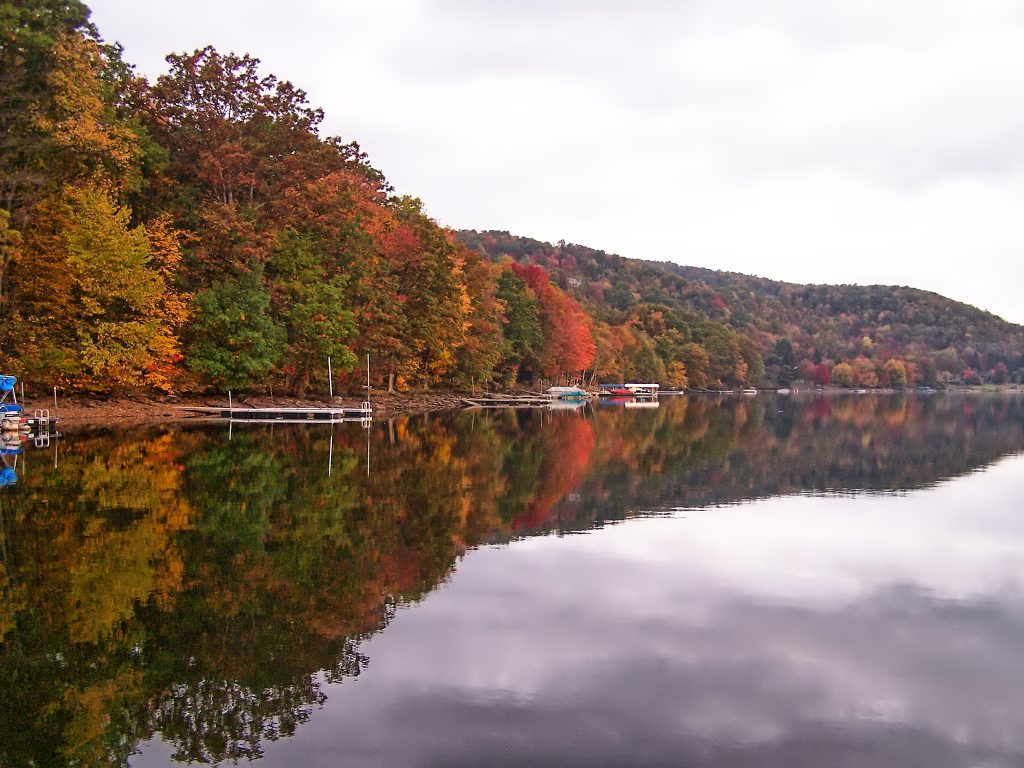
column 230, row 406
column 330, row 378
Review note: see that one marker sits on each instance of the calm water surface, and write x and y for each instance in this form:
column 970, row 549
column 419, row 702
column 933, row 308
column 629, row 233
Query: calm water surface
column 764, row 581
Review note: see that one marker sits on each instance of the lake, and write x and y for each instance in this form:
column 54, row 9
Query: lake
column 718, row 581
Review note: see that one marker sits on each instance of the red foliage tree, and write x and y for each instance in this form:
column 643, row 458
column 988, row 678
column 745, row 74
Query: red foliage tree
column 1000, row 374
column 568, row 344
column 822, row 376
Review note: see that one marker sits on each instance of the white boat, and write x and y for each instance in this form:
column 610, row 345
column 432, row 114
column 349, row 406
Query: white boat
column 750, row 391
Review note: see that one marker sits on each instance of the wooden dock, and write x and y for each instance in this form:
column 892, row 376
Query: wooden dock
column 285, row 415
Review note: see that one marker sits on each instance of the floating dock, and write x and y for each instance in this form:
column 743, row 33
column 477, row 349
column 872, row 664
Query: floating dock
column 286, row 415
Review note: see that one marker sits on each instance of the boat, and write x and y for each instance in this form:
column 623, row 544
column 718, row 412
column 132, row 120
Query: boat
column 615, row 390
column 651, row 390
column 749, row 391
column 10, row 410
column 568, row 393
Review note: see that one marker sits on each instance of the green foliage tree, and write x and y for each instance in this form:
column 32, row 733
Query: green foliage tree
column 311, row 308
column 520, row 325
column 235, row 343
column 697, row 363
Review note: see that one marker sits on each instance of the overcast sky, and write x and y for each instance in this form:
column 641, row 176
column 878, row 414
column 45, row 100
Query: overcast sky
column 803, row 140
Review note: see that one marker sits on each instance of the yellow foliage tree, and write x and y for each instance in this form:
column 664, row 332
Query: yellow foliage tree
column 101, row 314
column 675, row 375
column 842, row 375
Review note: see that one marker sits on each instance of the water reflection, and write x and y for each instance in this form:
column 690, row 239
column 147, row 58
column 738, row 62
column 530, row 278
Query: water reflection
column 206, row 592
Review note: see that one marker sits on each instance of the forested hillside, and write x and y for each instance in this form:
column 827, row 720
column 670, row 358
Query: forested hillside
column 874, row 335
column 199, row 232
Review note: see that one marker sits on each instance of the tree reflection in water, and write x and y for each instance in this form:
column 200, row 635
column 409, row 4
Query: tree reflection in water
column 175, row 581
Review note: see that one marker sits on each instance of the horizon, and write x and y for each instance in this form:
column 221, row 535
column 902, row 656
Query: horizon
column 811, row 143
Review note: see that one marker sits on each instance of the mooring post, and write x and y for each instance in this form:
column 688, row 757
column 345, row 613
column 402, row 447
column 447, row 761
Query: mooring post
column 230, row 406
column 330, row 378
column 55, row 398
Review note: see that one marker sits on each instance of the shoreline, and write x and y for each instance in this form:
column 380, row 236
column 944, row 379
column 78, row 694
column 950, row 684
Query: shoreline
column 80, row 411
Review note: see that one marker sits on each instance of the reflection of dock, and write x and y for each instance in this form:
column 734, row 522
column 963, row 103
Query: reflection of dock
column 521, row 401
column 285, row 415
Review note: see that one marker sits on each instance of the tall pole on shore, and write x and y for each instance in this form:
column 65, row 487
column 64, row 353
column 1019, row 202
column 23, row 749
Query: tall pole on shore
column 367, row 377
column 330, row 378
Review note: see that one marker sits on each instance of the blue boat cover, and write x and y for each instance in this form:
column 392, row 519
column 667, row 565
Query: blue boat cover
column 7, row 383
column 9, row 408
column 7, row 476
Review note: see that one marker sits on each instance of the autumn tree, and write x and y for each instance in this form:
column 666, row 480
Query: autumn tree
column 675, row 375
column 970, row 377
column 432, row 291
column 822, row 374
column 842, row 375
column 895, row 373
column 568, row 346
column 1000, row 373
column 58, row 124
column 483, row 347
column 110, row 318
column 864, row 374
